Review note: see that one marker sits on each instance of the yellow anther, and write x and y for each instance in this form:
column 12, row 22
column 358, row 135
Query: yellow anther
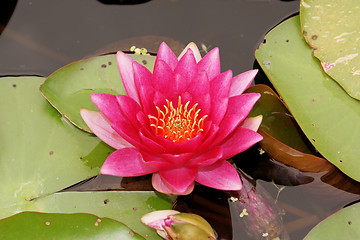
column 178, row 124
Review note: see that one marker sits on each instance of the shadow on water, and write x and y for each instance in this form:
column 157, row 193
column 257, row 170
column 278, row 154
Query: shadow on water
column 7, row 8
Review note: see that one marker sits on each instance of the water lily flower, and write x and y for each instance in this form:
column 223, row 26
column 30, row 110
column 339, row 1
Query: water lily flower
column 174, row 225
column 181, row 122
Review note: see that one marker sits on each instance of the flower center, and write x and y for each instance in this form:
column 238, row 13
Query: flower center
column 177, row 124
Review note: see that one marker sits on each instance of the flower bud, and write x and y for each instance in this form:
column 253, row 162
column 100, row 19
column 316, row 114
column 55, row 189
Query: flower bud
column 173, row 225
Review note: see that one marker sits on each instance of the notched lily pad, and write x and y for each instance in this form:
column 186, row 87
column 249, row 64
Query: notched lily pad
column 33, row 225
column 331, row 28
column 41, row 151
column 328, row 116
column 69, row 88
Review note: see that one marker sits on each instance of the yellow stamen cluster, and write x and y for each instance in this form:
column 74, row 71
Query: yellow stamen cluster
column 177, row 124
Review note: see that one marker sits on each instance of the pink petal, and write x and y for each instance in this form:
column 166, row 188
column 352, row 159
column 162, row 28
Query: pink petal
column 242, row 82
column 108, row 105
column 162, row 186
column 165, row 54
column 159, row 99
column 128, row 132
column 240, row 140
column 101, row 126
column 194, row 49
column 220, row 85
column 180, row 178
column 129, row 108
column 162, row 77
column 183, row 147
column 221, row 175
column 199, row 91
column 177, row 159
column 209, row 137
column 142, row 75
column 219, row 91
column 238, row 108
column 143, row 82
column 126, row 162
column 252, row 123
column 187, row 69
column 125, row 64
column 207, row 158
column 149, row 142
column 210, row 63
column 155, row 160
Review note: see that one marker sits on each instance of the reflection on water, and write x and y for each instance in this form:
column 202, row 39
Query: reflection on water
column 42, row 36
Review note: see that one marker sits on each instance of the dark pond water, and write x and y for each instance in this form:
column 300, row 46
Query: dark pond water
column 40, row 36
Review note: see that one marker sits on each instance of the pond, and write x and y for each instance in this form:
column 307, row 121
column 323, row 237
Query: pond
column 38, row 37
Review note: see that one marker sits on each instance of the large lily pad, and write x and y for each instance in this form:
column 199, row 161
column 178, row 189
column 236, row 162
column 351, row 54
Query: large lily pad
column 124, row 206
column 327, row 115
column 34, row 225
column 68, row 89
column 277, row 120
column 341, row 225
column 41, row 152
column 332, row 29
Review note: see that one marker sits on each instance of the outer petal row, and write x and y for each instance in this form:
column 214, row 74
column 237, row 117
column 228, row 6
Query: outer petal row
column 125, row 64
column 101, row 127
column 126, row 162
column 221, row 175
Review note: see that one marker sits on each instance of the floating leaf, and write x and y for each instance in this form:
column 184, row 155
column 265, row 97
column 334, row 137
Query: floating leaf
column 329, row 118
column 277, row 120
column 332, row 29
column 32, row 225
column 342, row 225
column 41, row 152
column 68, row 89
column 124, row 206
column 285, row 142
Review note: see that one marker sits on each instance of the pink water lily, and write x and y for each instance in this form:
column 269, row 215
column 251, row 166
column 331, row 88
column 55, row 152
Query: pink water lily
column 181, row 122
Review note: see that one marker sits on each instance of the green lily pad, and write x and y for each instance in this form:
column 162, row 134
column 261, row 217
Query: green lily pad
column 41, row 152
column 342, row 225
column 277, row 120
column 124, row 206
column 284, row 141
column 69, row 88
column 328, row 116
column 332, row 29
column 32, row 225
